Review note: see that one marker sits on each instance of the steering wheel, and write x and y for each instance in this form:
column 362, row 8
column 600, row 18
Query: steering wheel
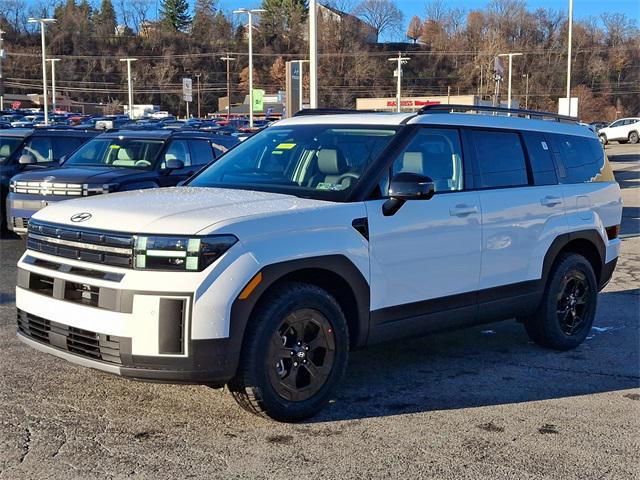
column 142, row 163
column 344, row 176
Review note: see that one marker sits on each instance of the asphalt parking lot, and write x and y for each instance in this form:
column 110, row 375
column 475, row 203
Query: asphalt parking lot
column 478, row 403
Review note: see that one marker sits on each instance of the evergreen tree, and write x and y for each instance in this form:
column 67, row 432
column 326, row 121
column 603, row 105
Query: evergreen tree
column 105, row 20
column 175, row 14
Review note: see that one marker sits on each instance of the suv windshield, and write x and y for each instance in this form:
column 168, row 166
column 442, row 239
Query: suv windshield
column 316, row 161
column 117, row 152
column 8, row 145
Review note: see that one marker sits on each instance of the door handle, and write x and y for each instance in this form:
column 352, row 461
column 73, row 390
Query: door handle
column 463, row 210
column 550, row 201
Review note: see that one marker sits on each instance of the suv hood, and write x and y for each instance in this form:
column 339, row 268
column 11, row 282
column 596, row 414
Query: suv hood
column 78, row 174
column 176, row 210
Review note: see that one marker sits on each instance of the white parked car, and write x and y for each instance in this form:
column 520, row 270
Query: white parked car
column 623, row 131
column 322, row 234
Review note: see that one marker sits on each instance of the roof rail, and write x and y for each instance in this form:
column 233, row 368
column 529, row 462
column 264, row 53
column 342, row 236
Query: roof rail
column 515, row 112
column 328, row 111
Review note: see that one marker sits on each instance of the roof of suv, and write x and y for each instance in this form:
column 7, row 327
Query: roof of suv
column 160, row 134
column 441, row 118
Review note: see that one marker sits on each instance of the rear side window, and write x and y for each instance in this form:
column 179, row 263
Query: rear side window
column 580, row 159
column 65, row 145
column 201, row 152
column 540, row 157
column 500, row 160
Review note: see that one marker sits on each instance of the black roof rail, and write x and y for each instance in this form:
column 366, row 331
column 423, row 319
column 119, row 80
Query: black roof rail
column 516, row 112
column 329, row 111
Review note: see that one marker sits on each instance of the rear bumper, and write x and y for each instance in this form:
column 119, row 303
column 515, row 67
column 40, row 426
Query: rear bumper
column 607, row 272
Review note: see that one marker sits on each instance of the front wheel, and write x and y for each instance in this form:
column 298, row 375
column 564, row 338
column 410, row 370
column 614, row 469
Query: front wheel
column 603, row 139
column 565, row 315
column 294, row 355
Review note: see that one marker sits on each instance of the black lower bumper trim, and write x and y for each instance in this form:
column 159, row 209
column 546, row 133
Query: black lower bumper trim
column 607, row 273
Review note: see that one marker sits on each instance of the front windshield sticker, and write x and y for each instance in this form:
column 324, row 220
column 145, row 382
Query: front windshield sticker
column 286, row 146
column 328, row 186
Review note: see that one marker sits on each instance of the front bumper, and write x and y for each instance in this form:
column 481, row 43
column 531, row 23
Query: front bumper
column 21, row 207
column 209, row 362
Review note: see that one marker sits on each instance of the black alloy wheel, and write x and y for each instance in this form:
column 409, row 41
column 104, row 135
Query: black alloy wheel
column 573, row 303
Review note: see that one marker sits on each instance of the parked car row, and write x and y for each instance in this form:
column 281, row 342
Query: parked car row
column 44, row 166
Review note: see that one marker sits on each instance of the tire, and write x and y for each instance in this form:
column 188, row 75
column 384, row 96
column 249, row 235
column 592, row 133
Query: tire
column 633, row 137
column 551, row 326
column 603, row 139
column 274, row 367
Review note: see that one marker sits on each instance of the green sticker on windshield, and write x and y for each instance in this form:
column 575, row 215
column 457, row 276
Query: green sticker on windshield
column 328, row 186
column 286, row 146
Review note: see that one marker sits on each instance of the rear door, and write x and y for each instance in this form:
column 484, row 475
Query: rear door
column 522, row 212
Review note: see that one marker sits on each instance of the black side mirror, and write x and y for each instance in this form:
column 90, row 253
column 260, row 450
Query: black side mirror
column 407, row 186
column 27, row 159
column 174, row 164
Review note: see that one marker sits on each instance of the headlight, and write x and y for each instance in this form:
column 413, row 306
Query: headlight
column 97, row 189
column 191, row 254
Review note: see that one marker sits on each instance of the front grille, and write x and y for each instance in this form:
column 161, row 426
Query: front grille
column 47, row 188
column 87, row 245
column 92, row 345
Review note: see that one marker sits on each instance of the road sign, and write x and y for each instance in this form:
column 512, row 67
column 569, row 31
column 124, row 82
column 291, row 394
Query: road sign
column 258, row 99
column 498, row 67
column 566, row 107
column 187, row 90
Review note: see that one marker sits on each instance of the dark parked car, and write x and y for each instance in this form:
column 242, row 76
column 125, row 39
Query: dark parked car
column 25, row 148
column 598, row 125
column 115, row 161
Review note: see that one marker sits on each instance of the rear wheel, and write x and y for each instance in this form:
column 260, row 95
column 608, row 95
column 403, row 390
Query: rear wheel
column 633, row 137
column 294, row 355
column 565, row 315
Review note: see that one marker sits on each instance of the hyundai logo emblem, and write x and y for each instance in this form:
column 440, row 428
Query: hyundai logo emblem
column 81, row 217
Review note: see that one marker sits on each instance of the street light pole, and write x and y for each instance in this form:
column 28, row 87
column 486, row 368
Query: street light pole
column 53, row 83
column 510, row 55
column 198, row 79
column 228, row 59
column 1, row 78
column 526, row 91
column 43, row 22
column 249, row 13
column 401, row 60
column 569, row 41
column 129, row 83
column 313, row 54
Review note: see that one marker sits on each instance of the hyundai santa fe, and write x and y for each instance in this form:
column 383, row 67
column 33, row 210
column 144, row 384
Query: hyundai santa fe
column 323, row 234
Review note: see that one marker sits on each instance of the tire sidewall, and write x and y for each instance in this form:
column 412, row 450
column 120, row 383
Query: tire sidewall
column 307, row 298
column 633, row 137
column 552, row 327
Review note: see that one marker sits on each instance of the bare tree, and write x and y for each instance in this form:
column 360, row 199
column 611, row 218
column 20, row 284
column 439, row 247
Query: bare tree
column 382, row 15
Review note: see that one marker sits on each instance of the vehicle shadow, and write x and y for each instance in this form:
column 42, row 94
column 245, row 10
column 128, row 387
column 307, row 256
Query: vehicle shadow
column 490, row 365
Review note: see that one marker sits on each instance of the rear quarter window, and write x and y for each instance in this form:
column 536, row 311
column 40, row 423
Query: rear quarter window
column 580, row 159
column 540, row 158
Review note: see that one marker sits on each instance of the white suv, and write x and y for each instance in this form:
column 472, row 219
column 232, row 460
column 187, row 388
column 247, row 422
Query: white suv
column 323, row 234
column 623, row 131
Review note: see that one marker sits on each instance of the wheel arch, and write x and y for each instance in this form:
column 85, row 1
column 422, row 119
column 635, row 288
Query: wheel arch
column 334, row 273
column 587, row 243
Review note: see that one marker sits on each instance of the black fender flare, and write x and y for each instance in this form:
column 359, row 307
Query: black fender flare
column 337, row 264
column 590, row 235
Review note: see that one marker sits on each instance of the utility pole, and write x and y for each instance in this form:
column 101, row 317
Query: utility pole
column 1, row 78
column 510, row 55
column 526, row 91
column 569, row 41
column 313, row 54
column 53, row 83
column 129, row 83
column 250, row 13
column 400, row 60
column 228, row 59
column 43, row 22
column 198, row 79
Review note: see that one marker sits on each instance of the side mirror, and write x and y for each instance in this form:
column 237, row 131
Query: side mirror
column 174, row 164
column 27, row 159
column 407, row 186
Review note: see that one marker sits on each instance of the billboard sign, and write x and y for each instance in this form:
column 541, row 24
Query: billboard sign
column 258, row 99
column 187, row 90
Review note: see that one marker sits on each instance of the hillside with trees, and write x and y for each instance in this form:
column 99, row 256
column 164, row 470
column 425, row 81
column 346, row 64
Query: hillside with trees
column 450, row 50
